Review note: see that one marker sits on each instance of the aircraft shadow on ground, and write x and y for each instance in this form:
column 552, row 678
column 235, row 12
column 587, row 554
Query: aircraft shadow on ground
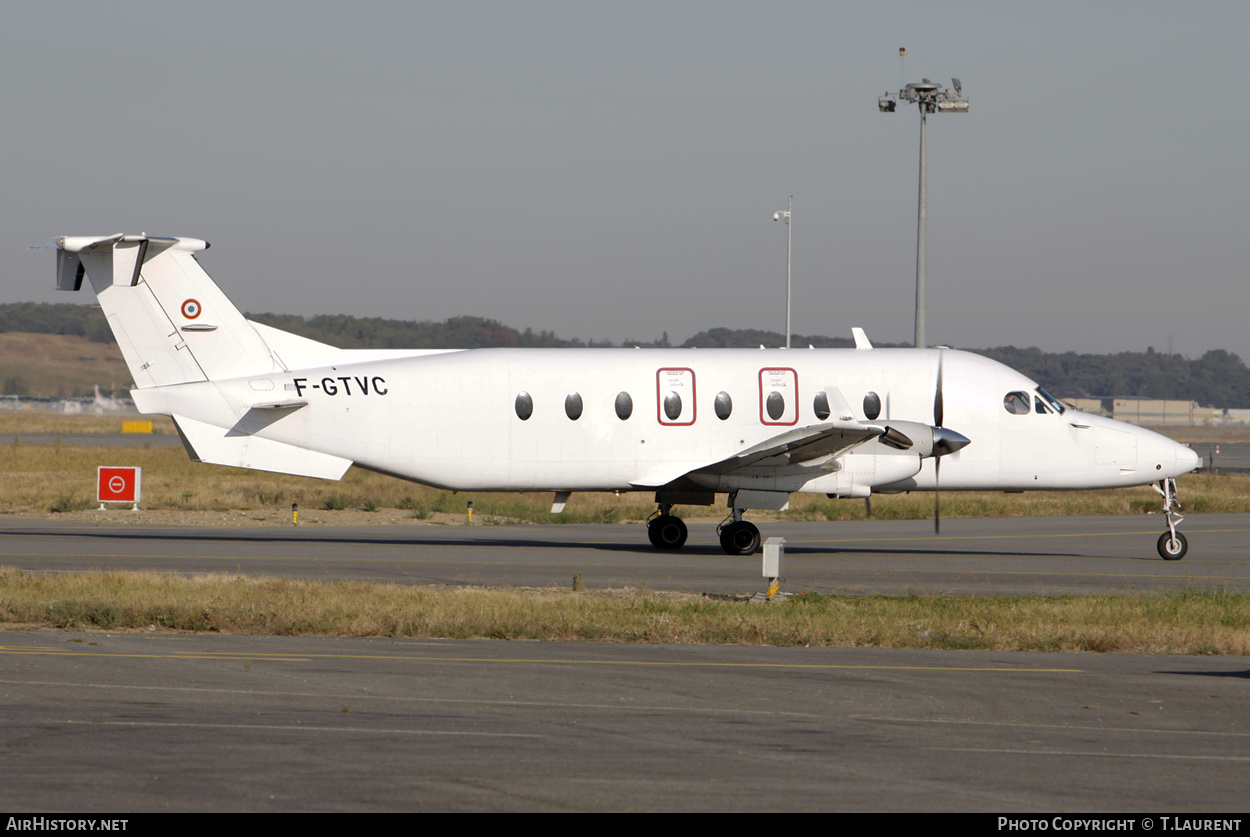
column 691, row 550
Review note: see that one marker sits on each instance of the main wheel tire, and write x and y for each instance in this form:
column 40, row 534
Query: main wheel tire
column 740, row 538
column 667, row 532
column 1173, row 549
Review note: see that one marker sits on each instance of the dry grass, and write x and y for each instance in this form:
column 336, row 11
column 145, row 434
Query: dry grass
column 62, row 478
column 1181, row 623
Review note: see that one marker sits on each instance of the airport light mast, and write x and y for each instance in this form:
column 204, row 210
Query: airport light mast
column 931, row 98
column 777, row 216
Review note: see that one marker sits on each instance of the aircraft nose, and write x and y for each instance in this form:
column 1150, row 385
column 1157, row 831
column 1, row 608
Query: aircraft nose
column 1167, row 458
column 1187, row 459
column 1161, row 457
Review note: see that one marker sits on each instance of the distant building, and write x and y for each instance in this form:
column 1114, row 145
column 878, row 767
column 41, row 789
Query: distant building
column 1096, row 406
column 1158, row 412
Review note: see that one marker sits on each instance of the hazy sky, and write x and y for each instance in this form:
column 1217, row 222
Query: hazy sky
column 610, row 170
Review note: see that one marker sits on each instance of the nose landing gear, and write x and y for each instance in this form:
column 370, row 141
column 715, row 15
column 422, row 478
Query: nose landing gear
column 1172, row 544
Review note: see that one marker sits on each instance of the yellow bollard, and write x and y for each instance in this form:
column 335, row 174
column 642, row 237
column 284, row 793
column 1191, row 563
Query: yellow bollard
column 295, row 514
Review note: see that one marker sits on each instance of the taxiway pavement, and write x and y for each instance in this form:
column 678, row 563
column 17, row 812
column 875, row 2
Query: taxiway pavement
column 975, row 556
column 151, row 722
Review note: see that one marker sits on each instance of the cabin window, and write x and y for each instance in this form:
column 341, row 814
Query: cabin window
column 675, row 396
column 524, row 406
column 872, row 406
column 1016, row 403
column 624, row 406
column 775, row 404
column 723, row 405
column 573, row 406
column 779, row 396
column 820, row 406
column 672, row 406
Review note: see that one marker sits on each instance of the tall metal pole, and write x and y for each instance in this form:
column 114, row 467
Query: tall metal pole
column 920, row 337
column 932, row 99
column 777, row 216
column 789, row 246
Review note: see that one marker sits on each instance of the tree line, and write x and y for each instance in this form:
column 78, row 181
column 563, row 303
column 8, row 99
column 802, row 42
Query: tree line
column 1218, row 378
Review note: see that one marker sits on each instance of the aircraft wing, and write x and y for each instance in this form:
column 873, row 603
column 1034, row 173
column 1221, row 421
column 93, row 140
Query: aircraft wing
column 798, row 446
column 794, row 447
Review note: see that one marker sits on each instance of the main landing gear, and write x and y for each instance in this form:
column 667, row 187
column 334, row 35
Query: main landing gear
column 1172, row 544
column 738, row 537
column 666, row 531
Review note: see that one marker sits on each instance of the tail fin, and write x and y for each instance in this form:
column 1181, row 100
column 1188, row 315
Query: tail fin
column 172, row 322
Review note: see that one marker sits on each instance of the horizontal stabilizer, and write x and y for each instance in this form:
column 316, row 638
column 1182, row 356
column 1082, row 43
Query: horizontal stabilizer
column 291, row 404
column 211, row 444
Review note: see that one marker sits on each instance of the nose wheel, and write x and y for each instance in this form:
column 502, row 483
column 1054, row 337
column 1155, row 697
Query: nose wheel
column 1172, row 544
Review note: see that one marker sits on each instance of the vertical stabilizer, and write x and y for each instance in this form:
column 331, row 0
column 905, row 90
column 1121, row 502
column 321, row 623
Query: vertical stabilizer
column 174, row 325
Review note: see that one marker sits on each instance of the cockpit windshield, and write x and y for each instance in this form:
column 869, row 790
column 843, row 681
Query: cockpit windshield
column 1054, row 402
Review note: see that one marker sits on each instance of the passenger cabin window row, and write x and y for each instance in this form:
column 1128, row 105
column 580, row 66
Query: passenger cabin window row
column 722, row 405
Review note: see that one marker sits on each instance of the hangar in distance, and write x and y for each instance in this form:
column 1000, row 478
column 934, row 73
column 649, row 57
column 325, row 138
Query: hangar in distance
column 686, row 425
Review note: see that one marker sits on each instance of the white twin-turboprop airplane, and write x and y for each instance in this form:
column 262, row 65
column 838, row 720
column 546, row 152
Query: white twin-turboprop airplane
column 685, row 424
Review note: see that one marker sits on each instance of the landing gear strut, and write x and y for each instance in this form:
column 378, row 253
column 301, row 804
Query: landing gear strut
column 738, row 537
column 1172, row 544
column 666, row 531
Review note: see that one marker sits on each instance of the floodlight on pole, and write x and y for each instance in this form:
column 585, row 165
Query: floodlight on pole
column 931, row 98
column 777, row 216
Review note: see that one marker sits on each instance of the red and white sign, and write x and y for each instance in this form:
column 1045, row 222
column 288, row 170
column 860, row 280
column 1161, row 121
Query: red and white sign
column 191, row 309
column 119, row 485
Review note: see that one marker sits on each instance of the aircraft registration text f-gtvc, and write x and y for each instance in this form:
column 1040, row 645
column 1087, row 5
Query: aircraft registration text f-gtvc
column 755, row 424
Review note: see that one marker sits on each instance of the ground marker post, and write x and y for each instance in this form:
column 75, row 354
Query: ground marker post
column 774, row 548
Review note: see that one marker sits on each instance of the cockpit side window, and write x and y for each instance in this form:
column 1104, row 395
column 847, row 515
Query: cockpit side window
column 1040, row 407
column 1055, row 403
column 1016, row 403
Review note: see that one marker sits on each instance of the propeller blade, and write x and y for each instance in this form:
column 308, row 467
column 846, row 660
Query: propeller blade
column 937, row 494
column 937, row 395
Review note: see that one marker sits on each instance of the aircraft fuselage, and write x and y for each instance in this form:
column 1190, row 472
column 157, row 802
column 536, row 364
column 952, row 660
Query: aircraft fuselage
column 607, row 419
